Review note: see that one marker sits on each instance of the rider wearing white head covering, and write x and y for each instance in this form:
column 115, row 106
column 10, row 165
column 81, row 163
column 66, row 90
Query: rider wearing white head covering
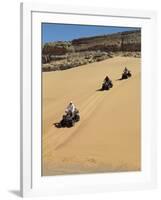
column 70, row 108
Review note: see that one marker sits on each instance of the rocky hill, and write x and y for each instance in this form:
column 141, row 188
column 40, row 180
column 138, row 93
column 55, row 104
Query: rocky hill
column 63, row 55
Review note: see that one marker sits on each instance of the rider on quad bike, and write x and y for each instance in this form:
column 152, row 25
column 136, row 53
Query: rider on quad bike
column 70, row 108
column 126, row 74
column 71, row 116
column 125, row 71
column 107, row 83
column 106, row 79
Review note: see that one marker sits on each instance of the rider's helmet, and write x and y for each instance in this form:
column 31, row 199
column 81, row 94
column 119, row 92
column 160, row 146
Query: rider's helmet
column 107, row 78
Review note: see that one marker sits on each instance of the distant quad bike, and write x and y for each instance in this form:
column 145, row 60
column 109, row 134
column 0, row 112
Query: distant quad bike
column 126, row 75
column 107, row 85
column 69, row 120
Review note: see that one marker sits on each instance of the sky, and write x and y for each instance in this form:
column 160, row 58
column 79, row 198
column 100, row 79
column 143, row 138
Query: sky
column 66, row 32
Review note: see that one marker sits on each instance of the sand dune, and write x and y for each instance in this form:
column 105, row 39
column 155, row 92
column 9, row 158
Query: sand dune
column 107, row 138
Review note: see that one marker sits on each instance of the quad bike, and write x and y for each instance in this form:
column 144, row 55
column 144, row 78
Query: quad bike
column 107, row 85
column 69, row 119
column 126, row 75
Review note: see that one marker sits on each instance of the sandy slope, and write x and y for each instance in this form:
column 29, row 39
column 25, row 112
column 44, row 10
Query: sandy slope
column 108, row 136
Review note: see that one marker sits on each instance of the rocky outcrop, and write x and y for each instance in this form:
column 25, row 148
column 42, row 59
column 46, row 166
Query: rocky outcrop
column 126, row 41
column 64, row 55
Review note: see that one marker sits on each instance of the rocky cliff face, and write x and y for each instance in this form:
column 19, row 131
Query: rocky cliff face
column 126, row 41
column 63, row 55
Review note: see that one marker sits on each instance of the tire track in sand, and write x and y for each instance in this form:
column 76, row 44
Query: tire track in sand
column 88, row 110
column 56, row 130
column 60, row 136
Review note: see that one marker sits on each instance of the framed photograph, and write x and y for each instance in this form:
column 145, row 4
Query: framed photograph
column 87, row 99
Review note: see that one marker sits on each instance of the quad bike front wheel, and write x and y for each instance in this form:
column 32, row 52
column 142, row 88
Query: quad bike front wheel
column 77, row 118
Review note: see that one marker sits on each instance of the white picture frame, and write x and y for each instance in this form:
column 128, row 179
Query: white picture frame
column 32, row 183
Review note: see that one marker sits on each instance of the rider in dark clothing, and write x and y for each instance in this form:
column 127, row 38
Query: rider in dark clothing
column 125, row 71
column 106, row 79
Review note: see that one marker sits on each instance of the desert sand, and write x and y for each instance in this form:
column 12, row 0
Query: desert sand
column 108, row 137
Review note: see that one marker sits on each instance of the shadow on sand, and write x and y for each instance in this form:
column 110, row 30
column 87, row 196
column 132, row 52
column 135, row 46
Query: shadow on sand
column 57, row 125
column 99, row 90
column 120, row 79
